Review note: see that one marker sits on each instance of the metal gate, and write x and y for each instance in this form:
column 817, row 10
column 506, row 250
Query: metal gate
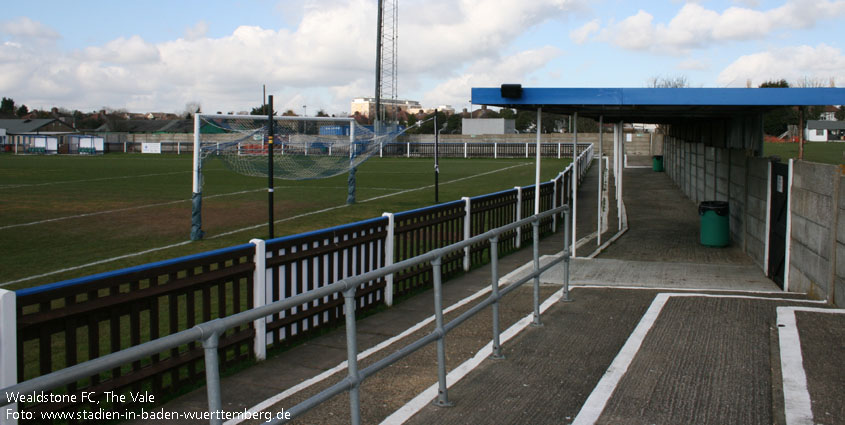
column 777, row 222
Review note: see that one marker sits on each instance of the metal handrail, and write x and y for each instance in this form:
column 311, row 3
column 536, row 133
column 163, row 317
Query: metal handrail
column 209, row 332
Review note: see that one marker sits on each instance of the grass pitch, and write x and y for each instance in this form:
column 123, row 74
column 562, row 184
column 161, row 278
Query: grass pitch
column 826, row 153
column 68, row 216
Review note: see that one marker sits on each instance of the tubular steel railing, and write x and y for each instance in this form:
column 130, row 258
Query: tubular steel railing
column 209, row 333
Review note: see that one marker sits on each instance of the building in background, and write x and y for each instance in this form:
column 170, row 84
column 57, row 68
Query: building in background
column 478, row 126
column 366, row 106
column 825, row 131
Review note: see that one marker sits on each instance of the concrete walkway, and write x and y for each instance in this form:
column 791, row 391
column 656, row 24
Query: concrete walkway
column 704, row 348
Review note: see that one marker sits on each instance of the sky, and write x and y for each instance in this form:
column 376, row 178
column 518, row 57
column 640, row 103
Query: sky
column 160, row 56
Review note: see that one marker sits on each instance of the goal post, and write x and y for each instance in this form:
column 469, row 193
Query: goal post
column 304, row 148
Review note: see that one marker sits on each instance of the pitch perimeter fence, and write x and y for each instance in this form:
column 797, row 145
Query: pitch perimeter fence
column 76, row 323
column 410, row 149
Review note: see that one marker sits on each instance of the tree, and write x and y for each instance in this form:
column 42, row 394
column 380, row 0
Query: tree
column 192, row 108
column 840, row 113
column 23, row 110
column 7, row 107
column 262, row 110
column 661, row 82
column 289, row 113
column 777, row 121
column 322, row 113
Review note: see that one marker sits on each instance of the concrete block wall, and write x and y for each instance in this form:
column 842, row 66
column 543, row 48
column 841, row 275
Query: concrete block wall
column 814, row 210
column 722, row 174
column 706, row 173
column 817, row 210
column 757, row 193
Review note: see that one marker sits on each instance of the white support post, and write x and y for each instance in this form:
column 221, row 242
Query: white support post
column 467, row 232
column 576, row 180
column 495, row 150
column 408, row 154
column 537, row 163
column 179, row 147
column 380, row 150
column 601, row 183
column 388, row 258
column 526, row 144
column 768, row 216
column 259, row 297
column 8, row 352
column 558, row 150
column 465, row 149
column 788, row 226
column 518, row 216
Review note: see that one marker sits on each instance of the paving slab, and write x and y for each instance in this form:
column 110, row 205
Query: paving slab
column 652, row 274
column 823, row 349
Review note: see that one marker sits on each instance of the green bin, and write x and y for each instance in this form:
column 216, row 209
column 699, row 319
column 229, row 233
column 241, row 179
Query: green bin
column 715, row 223
column 657, row 163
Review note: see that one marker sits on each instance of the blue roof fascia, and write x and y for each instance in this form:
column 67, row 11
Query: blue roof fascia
column 663, row 96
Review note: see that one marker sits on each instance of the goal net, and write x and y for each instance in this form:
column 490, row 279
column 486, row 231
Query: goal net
column 303, row 148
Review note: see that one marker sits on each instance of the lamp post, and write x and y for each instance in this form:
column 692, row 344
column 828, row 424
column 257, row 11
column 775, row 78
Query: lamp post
column 304, row 111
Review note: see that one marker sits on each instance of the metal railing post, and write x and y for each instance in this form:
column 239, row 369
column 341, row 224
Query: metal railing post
column 259, row 298
column 566, row 255
column 442, row 392
column 388, row 257
column 467, row 231
column 352, row 356
column 8, row 351
column 494, row 271
column 536, row 226
column 212, row 377
column 518, row 216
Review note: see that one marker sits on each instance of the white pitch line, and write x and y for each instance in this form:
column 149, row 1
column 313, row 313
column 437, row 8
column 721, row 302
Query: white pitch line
column 596, row 402
column 161, row 204
column 15, row 186
column 135, row 254
column 422, row 400
column 108, row 260
column 798, row 407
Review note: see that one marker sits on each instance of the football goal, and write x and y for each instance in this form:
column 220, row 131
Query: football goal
column 302, row 148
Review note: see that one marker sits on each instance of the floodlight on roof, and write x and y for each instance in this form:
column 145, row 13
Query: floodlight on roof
column 512, row 91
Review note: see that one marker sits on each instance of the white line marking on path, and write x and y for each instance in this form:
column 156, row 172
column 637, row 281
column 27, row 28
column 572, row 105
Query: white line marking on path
column 424, row 398
column 596, row 402
column 796, row 397
column 135, row 254
column 362, row 355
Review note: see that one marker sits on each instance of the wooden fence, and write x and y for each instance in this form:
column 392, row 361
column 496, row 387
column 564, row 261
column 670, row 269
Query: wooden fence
column 66, row 323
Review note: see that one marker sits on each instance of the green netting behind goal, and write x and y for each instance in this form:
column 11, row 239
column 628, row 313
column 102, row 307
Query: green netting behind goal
column 303, row 148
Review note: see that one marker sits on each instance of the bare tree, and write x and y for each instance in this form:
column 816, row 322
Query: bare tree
column 677, row 81
column 192, row 108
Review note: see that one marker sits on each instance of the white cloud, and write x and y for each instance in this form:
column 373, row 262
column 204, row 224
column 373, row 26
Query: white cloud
column 695, row 26
column 133, row 50
column 326, row 56
column 816, row 63
column 199, row 30
column 582, row 33
column 694, row 65
column 26, row 28
column 491, row 72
